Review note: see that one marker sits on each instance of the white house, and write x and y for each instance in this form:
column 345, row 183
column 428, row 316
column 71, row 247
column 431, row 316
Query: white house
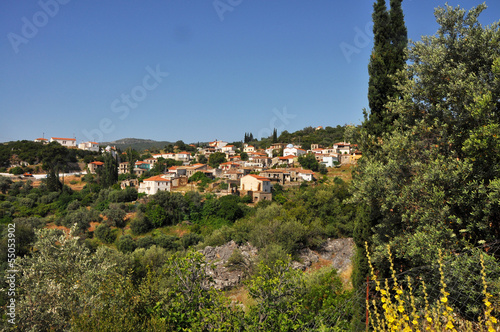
column 67, row 142
column 329, row 161
column 342, row 147
column 252, row 182
column 152, row 185
column 248, row 148
column 89, row 146
column 291, row 150
column 228, row 149
column 306, row 174
column 183, row 156
column 217, row 144
column 42, row 140
column 164, row 156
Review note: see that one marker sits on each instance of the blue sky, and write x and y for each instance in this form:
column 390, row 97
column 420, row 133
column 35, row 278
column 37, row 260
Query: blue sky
column 192, row 70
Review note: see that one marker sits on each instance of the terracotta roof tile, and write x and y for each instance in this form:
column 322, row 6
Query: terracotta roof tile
column 64, row 139
column 157, row 178
column 258, row 177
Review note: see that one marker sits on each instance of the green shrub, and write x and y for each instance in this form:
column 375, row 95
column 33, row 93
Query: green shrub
column 145, row 242
column 105, row 233
column 74, row 205
column 140, row 224
column 82, row 218
column 16, row 170
column 190, row 239
column 126, row 244
column 168, row 242
column 115, row 217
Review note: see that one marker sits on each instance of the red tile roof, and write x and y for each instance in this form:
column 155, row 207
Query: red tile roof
column 41, row 139
column 98, row 163
column 64, row 139
column 258, row 177
column 157, row 178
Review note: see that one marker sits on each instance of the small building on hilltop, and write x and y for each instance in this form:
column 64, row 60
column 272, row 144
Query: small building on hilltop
column 258, row 187
column 94, row 166
column 67, row 142
column 152, row 185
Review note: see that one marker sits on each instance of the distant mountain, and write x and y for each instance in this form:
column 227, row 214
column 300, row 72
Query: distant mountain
column 138, row 144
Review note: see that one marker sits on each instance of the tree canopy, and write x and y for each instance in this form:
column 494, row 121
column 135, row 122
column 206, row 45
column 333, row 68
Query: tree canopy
column 434, row 180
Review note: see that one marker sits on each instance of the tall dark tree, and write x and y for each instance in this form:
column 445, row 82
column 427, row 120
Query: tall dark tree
column 275, row 135
column 248, row 137
column 53, row 183
column 388, row 56
column 399, row 35
column 108, row 175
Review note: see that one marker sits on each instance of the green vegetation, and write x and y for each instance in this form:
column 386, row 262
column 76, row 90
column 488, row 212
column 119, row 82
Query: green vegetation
column 216, row 159
column 387, row 58
column 305, row 137
column 427, row 189
column 429, row 181
column 114, row 268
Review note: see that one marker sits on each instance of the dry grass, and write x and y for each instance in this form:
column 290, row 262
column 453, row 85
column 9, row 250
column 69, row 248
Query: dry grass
column 321, row 263
column 93, row 226
column 344, row 172
column 77, row 185
column 179, row 230
column 240, row 295
column 345, row 276
column 54, row 226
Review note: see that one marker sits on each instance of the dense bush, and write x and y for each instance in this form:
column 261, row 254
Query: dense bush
column 126, row 244
column 105, row 233
column 168, row 242
column 81, row 218
column 145, row 242
column 140, row 224
column 115, row 217
column 127, row 195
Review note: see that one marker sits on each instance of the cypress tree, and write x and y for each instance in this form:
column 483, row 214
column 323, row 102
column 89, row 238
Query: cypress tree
column 388, row 56
column 399, row 37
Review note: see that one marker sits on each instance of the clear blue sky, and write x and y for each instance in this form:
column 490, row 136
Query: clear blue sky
column 98, row 69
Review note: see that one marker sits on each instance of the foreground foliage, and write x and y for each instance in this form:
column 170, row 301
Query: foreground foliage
column 64, row 286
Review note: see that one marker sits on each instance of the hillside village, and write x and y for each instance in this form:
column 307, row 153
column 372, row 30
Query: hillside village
column 247, row 171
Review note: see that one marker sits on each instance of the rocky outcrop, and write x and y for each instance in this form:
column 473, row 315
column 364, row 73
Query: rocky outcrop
column 337, row 252
column 224, row 275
